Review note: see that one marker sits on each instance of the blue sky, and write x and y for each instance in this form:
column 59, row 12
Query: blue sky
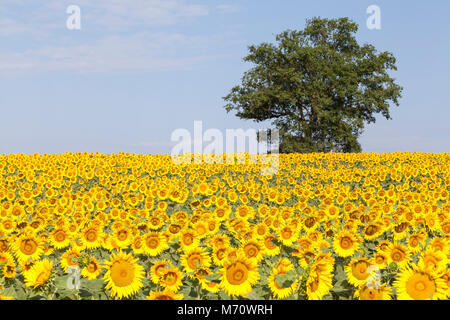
column 139, row 69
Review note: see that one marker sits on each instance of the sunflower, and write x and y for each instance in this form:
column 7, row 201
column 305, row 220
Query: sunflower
column 366, row 293
column 157, row 269
column 318, row 285
column 60, row 238
column 414, row 243
column 380, row 259
column 155, row 222
column 9, row 270
column 189, row 240
column 238, row 274
column 195, row 258
column 70, row 258
column 219, row 256
column 253, row 250
column 305, row 257
column 92, row 270
column 345, row 244
column 220, row 241
column 4, row 246
column 122, row 237
column 278, row 290
column 27, row 247
column 288, row 235
column 137, row 245
column 400, row 231
column 319, row 280
column 358, row 271
column 6, row 257
column 154, row 243
column 222, row 213
column 167, row 294
column 124, row 275
column 210, row 286
column 433, row 260
column 373, row 231
column 384, row 246
column 270, row 248
column 39, row 273
column 417, row 284
column 91, row 237
column 399, row 254
column 171, row 278
column 438, row 244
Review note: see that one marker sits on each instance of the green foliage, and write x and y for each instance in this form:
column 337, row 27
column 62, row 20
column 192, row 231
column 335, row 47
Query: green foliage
column 318, row 86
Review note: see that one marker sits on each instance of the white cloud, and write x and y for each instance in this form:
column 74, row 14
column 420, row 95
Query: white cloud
column 228, row 8
column 135, row 53
column 10, row 27
column 109, row 14
column 95, row 47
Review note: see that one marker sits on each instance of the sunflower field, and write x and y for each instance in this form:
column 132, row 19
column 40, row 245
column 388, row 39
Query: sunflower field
column 126, row 226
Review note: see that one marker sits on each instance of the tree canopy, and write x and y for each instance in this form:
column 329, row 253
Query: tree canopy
column 318, row 86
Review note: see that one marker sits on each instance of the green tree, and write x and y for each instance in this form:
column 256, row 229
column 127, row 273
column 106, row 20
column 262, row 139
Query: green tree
column 318, row 86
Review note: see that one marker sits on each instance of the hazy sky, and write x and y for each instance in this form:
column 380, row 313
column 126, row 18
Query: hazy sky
column 139, row 69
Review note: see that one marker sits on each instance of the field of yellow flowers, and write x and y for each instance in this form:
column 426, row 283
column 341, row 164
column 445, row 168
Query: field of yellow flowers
column 126, row 226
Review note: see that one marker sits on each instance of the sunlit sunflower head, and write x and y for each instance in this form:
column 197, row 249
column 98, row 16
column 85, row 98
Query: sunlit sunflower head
column 380, row 259
column 305, row 257
column 91, row 237
column 195, row 258
column 188, row 239
column 439, row 244
column 123, row 237
column 69, row 258
column 9, row 270
column 171, row 278
column 414, row 283
column 345, row 244
column 399, row 254
column 433, row 261
column 219, row 256
column 124, row 275
column 318, row 285
column 279, row 289
column 400, row 230
column 358, row 271
column 238, row 275
column 60, row 238
column 154, row 243
column 288, row 234
column 372, row 231
column 27, row 247
column 157, row 269
column 39, row 273
column 384, row 246
column 381, row 293
column 210, row 286
column 167, row 294
column 253, row 249
column 92, row 270
column 270, row 247
column 415, row 243
column 446, row 278
column 6, row 257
